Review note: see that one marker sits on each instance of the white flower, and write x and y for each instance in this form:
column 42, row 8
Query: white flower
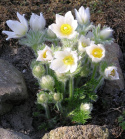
column 37, row 22
column 83, row 42
column 86, row 107
column 106, row 33
column 111, row 73
column 83, row 15
column 96, row 52
column 19, row 28
column 45, row 55
column 65, row 61
column 65, row 26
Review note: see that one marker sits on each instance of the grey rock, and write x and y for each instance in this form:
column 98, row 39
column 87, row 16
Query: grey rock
column 6, row 134
column 113, row 55
column 78, row 132
column 12, row 84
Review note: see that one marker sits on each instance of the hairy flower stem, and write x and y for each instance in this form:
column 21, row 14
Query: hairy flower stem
column 63, row 88
column 47, row 111
column 47, row 69
column 99, row 81
column 71, row 87
column 59, row 106
column 94, row 71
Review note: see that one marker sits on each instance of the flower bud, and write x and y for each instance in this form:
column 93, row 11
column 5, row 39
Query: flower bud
column 57, row 96
column 38, row 71
column 106, row 33
column 42, row 98
column 86, row 107
column 47, row 82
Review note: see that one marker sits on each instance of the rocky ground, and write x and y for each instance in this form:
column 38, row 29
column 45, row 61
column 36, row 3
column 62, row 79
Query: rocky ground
column 109, row 105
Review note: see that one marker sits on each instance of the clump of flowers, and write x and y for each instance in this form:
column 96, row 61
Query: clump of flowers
column 72, row 67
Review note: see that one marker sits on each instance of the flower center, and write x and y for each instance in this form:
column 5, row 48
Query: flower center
column 112, row 73
column 68, row 60
column 84, row 44
column 66, row 29
column 44, row 54
column 97, row 52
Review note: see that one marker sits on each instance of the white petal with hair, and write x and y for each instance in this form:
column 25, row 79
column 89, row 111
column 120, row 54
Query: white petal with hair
column 82, row 15
column 96, row 52
column 37, row 22
column 106, row 33
column 64, row 61
column 19, row 28
column 65, row 26
column 45, row 54
column 111, row 73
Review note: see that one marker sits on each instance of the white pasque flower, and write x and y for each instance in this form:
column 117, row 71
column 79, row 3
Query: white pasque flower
column 65, row 26
column 96, row 52
column 83, row 42
column 19, row 28
column 45, row 55
column 37, row 22
column 106, row 33
column 83, row 15
column 111, row 73
column 86, row 107
column 64, row 61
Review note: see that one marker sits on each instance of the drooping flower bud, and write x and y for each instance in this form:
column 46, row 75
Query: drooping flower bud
column 38, row 71
column 57, row 96
column 47, row 82
column 42, row 97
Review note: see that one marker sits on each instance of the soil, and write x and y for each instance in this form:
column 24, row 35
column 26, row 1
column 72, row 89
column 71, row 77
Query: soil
column 105, row 12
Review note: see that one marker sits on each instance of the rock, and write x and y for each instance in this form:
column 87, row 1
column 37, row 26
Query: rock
column 12, row 84
column 6, row 134
column 78, row 132
column 113, row 55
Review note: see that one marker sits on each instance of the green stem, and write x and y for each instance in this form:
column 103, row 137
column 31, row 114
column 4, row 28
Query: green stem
column 63, row 88
column 59, row 106
column 71, row 87
column 47, row 111
column 99, row 81
column 94, row 71
column 47, row 69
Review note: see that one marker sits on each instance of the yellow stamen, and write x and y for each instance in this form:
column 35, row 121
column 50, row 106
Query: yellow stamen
column 66, row 29
column 68, row 60
column 112, row 73
column 97, row 52
column 44, row 54
column 84, row 44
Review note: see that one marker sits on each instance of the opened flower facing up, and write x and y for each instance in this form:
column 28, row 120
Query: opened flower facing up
column 96, row 52
column 37, row 22
column 111, row 73
column 106, row 33
column 83, row 43
column 64, row 61
column 45, row 55
column 19, row 28
column 82, row 15
column 65, row 26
